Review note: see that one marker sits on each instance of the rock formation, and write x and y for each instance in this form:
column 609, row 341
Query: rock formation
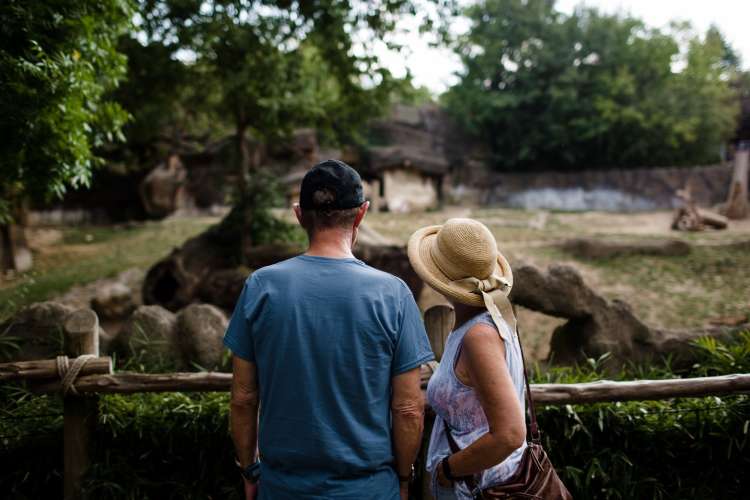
column 200, row 333
column 38, row 330
column 596, row 325
column 113, row 300
column 149, row 335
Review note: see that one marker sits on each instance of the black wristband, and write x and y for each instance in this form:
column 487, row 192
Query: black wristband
column 448, row 473
column 447, row 469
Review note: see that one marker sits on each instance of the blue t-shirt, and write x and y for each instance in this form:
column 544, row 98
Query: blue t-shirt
column 327, row 335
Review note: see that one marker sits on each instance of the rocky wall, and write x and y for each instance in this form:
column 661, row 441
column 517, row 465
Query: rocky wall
column 608, row 189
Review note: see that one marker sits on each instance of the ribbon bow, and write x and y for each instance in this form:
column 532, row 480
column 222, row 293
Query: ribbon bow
column 494, row 292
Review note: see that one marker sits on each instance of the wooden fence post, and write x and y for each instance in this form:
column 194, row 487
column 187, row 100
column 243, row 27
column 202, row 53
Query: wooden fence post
column 80, row 413
column 439, row 321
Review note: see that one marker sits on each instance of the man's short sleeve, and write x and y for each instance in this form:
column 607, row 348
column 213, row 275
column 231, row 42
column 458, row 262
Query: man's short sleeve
column 239, row 335
column 412, row 346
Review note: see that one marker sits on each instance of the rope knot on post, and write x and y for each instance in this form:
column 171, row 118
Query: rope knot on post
column 68, row 372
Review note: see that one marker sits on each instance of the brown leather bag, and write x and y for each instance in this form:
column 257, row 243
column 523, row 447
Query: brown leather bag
column 535, row 477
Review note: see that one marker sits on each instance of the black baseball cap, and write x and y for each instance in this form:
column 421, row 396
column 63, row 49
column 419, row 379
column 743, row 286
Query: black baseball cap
column 331, row 185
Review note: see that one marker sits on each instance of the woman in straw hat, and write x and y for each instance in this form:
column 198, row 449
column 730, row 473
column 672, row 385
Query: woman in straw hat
column 477, row 391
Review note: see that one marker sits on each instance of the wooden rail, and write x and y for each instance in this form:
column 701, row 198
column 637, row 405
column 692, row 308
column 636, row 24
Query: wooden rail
column 47, row 369
column 546, row 394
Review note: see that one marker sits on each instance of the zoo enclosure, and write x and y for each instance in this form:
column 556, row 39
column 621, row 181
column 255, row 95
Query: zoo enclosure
column 87, row 374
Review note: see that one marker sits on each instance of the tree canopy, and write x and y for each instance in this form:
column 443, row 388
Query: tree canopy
column 546, row 90
column 58, row 60
column 257, row 66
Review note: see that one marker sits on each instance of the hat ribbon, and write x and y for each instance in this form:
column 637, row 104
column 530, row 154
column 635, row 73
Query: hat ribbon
column 493, row 291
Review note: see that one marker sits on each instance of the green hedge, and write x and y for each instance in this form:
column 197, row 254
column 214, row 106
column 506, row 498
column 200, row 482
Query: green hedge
column 177, row 445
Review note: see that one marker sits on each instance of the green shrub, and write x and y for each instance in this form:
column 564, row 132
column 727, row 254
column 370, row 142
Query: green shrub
column 177, row 445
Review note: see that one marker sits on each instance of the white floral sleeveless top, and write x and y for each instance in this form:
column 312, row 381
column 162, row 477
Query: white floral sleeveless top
column 458, row 405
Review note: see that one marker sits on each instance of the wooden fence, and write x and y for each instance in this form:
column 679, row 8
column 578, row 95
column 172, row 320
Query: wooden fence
column 97, row 377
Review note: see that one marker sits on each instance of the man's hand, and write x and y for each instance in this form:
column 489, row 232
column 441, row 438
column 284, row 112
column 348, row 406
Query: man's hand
column 251, row 490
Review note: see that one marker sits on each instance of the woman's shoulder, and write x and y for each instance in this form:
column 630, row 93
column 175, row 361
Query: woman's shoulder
column 485, row 320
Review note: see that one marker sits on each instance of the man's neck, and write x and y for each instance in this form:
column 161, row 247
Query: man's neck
column 334, row 244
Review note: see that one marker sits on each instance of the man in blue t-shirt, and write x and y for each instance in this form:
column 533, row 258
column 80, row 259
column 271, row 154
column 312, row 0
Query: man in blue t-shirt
column 328, row 351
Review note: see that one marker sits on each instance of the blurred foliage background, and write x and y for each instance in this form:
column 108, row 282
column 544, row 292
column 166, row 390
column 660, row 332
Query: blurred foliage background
column 127, row 80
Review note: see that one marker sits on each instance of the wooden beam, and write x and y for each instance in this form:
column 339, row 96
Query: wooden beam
column 552, row 394
column 128, row 383
column 639, row 390
column 46, row 369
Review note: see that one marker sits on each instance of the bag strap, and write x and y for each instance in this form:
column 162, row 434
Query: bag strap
column 495, row 303
column 536, row 437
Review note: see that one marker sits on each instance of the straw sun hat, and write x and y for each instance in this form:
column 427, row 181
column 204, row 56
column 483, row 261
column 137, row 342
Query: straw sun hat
column 460, row 260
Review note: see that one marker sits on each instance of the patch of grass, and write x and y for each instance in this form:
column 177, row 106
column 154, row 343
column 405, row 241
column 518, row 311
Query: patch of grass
column 711, row 281
column 110, row 251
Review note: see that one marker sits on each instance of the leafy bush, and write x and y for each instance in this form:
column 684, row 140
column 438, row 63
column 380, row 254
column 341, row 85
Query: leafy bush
column 177, row 445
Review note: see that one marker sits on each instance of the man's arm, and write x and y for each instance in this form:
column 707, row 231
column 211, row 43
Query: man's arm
column 407, row 411
column 244, row 410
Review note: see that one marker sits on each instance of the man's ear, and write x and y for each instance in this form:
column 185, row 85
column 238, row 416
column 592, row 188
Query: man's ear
column 297, row 212
column 361, row 214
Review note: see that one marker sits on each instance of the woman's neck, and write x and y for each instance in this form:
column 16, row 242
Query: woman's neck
column 464, row 313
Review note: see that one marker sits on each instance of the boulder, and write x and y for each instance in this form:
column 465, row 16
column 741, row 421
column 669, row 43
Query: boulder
column 222, row 287
column 596, row 325
column 200, row 333
column 38, row 331
column 391, row 259
column 149, row 337
column 113, row 300
column 589, row 248
column 173, row 282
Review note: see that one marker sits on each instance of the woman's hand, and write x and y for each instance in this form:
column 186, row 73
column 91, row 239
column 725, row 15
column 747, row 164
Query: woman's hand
column 441, row 479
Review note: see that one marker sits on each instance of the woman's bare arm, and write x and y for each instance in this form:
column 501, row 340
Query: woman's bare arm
column 483, row 353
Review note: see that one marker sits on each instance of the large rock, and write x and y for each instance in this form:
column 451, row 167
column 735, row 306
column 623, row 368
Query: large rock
column 149, row 336
column 596, row 325
column 113, row 300
column 391, row 259
column 174, row 281
column 104, row 291
column 223, row 287
column 38, row 331
column 200, row 333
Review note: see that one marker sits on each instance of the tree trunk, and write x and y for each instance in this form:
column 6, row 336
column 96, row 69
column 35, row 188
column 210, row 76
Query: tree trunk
column 244, row 164
column 7, row 255
column 243, row 158
column 737, row 204
column 15, row 255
